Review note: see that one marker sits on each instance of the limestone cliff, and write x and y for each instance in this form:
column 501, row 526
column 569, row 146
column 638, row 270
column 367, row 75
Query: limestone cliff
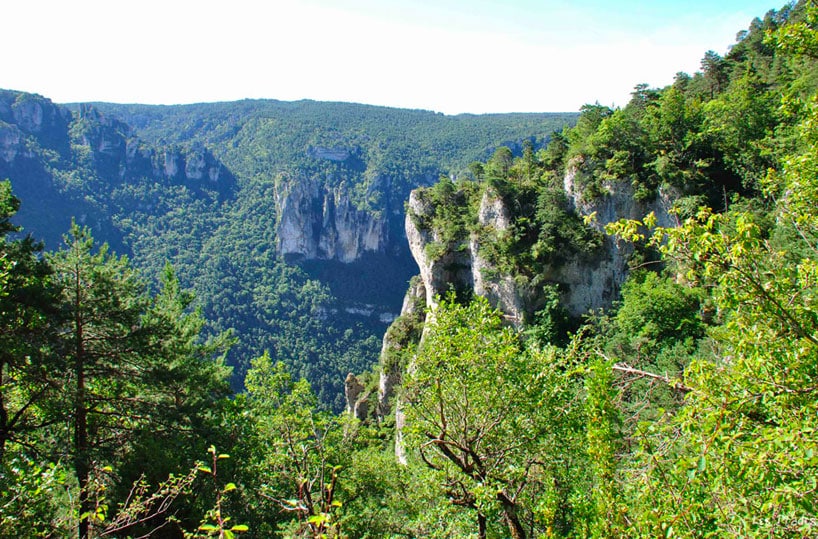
column 30, row 123
column 316, row 221
column 37, row 117
column 76, row 163
column 585, row 281
column 596, row 285
column 356, row 396
column 118, row 153
column 11, row 142
column 439, row 272
column 397, row 344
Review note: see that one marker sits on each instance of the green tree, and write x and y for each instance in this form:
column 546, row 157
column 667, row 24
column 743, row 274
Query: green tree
column 185, row 382
column 478, row 415
column 298, row 454
column 603, row 439
column 103, row 301
column 136, row 371
column 655, row 312
column 29, row 368
column 500, row 162
column 715, row 72
column 739, row 459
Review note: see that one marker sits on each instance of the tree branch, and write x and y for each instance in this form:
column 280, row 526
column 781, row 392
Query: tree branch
column 675, row 384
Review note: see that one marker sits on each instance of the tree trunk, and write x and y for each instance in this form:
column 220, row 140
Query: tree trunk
column 82, row 465
column 481, row 526
column 4, row 418
column 81, row 461
column 515, row 527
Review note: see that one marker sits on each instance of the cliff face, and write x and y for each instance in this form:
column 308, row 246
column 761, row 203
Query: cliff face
column 30, row 124
column 86, row 166
column 36, row 116
column 451, row 269
column 320, row 222
column 10, row 142
column 595, row 284
column 117, row 153
column 26, row 118
column 586, row 282
column 500, row 289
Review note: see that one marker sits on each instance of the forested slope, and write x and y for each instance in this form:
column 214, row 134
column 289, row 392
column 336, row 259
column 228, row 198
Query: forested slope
column 227, row 191
column 686, row 408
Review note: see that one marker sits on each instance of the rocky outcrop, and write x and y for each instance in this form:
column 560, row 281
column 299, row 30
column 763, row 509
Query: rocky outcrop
column 595, row 283
column 356, row 397
column 11, row 142
column 315, row 221
column 119, row 154
column 586, row 282
column 32, row 113
column 404, row 332
column 114, row 150
column 331, row 154
column 500, row 289
column 439, row 272
column 395, row 358
column 36, row 116
column 462, row 267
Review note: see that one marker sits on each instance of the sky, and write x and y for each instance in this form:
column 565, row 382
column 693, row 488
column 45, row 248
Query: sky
column 450, row 56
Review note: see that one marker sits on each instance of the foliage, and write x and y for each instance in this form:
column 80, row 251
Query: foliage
column 737, row 458
column 35, row 498
column 478, row 413
column 298, row 454
column 215, row 522
column 655, row 311
column 602, row 433
column 29, row 365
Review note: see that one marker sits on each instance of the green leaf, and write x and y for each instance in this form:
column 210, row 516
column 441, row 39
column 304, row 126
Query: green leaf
column 229, row 486
column 317, row 519
column 205, row 469
column 240, row 528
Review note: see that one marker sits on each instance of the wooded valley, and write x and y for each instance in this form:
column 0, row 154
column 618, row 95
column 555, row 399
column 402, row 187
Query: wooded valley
column 614, row 332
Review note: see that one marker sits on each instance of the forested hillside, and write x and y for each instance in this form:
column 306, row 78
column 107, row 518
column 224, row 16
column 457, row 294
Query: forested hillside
column 285, row 218
column 686, row 408
column 678, row 400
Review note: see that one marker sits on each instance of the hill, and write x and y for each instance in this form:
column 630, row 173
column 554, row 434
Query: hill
column 285, row 217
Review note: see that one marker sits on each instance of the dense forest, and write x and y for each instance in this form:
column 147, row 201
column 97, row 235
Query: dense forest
column 686, row 408
column 242, row 199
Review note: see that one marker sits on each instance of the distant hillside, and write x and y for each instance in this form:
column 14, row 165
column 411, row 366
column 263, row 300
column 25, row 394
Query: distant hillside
column 285, row 217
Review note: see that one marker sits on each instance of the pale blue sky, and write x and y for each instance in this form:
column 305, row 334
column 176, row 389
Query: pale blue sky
column 450, row 56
